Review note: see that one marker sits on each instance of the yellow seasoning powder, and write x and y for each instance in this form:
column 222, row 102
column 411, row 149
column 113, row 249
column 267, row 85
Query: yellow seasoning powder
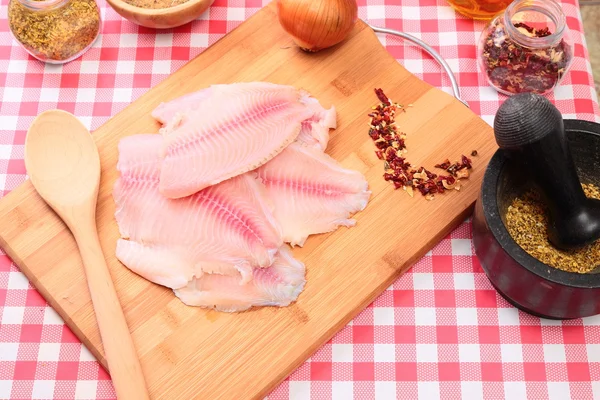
column 527, row 222
column 155, row 3
column 54, row 32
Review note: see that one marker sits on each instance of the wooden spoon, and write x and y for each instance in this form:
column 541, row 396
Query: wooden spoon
column 62, row 162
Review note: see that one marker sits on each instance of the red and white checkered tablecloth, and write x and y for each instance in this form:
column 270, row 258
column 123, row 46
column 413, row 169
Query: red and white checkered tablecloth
column 440, row 331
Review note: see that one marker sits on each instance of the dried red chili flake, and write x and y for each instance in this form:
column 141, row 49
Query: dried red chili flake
column 466, row 162
column 449, row 182
column 390, row 146
column 514, row 68
column 454, row 168
column 430, row 175
column 534, row 32
column 449, row 179
column 382, row 97
column 443, row 165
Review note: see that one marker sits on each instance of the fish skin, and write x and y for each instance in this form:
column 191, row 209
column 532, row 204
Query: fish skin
column 226, row 228
column 312, row 193
column 279, row 285
column 213, row 146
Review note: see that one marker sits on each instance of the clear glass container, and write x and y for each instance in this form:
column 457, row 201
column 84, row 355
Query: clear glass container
column 527, row 48
column 479, row 9
column 54, row 31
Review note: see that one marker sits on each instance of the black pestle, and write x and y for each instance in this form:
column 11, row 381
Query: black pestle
column 531, row 131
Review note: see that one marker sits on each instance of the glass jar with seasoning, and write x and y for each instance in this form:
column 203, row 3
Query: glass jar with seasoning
column 528, row 48
column 54, row 31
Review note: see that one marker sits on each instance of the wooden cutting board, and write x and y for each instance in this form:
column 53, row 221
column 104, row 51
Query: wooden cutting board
column 190, row 353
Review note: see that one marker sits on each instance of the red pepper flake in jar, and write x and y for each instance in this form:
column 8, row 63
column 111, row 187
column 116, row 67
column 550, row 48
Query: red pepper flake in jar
column 519, row 57
column 391, row 146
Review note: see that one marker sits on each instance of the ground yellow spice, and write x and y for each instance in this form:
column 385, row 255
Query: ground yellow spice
column 155, row 3
column 527, row 222
column 54, row 33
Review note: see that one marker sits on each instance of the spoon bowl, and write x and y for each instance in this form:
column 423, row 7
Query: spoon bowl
column 63, row 164
column 62, row 160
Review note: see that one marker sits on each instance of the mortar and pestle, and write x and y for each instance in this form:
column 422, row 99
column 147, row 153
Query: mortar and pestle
column 538, row 149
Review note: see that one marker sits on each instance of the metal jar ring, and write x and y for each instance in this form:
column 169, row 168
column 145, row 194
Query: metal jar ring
column 430, row 51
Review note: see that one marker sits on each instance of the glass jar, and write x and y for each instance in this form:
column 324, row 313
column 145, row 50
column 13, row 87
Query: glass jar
column 54, row 31
column 479, row 9
column 528, row 48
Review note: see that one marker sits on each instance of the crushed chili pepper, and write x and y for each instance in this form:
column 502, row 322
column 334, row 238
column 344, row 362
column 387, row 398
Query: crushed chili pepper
column 444, row 165
column 391, row 146
column 458, row 169
column 515, row 68
column 382, row 97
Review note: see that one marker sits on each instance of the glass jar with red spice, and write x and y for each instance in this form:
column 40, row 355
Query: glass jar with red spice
column 527, row 48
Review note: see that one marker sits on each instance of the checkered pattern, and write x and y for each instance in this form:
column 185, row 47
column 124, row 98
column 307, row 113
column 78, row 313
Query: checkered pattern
column 440, row 331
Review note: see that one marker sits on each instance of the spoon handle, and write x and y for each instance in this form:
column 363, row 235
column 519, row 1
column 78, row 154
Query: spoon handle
column 123, row 363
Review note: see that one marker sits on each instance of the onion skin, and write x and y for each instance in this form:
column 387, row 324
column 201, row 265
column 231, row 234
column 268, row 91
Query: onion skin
column 317, row 24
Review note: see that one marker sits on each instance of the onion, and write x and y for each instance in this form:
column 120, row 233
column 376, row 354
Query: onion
column 317, row 24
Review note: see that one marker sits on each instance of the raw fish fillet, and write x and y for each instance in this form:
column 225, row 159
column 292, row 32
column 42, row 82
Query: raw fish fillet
column 176, row 112
column 167, row 111
column 237, row 129
column 227, row 228
column 312, row 193
column 278, row 285
column 314, row 130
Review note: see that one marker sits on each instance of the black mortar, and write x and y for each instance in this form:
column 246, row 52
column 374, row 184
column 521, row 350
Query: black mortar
column 525, row 282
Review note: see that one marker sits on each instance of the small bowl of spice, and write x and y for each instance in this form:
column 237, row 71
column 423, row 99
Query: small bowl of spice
column 510, row 236
column 160, row 14
column 526, row 49
column 54, row 31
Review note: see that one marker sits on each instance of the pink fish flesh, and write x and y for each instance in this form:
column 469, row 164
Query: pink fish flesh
column 167, row 111
column 239, row 128
column 311, row 192
column 278, row 285
column 314, row 130
column 205, row 207
column 226, row 229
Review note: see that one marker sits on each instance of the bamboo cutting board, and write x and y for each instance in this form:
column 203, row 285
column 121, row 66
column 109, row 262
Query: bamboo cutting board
column 191, row 353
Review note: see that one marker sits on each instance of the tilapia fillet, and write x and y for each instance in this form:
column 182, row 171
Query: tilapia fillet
column 237, row 129
column 226, row 229
column 278, row 285
column 314, row 130
column 206, row 206
column 166, row 111
column 311, row 192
